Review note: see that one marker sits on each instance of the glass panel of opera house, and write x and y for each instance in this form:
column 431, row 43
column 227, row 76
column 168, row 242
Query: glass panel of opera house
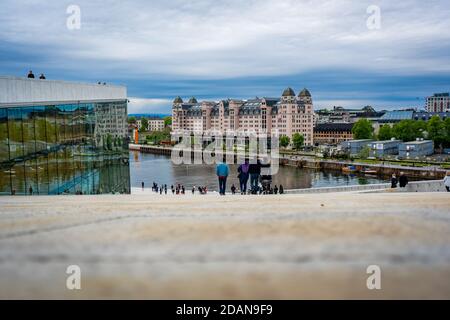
column 77, row 148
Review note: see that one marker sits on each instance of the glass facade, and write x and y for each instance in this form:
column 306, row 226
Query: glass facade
column 64, row 149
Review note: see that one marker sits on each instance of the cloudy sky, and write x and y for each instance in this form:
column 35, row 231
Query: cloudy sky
column 215, row 49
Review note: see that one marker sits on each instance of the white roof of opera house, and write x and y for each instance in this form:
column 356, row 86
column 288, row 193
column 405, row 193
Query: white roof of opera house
column 20, row 91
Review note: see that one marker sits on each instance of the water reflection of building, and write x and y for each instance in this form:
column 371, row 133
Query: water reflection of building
column 62, row 138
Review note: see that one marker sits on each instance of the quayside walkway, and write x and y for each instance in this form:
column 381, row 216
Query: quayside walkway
column 290, row 246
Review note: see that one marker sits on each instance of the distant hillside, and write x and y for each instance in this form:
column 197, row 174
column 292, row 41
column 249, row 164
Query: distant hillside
column 148, row 115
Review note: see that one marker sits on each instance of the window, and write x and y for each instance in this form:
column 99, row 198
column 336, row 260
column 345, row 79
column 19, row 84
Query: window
column 64, row 149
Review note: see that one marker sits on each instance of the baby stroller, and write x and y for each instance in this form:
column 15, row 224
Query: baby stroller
column 265, row 178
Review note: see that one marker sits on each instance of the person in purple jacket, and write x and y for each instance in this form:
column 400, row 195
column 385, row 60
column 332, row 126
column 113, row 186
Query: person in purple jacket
column 243, row 176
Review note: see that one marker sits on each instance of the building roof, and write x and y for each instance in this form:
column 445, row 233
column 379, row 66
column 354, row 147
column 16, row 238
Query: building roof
column 178, row 100
column 397, row 116
column 195, row 111
column 20, row 91
column 440, row 95
column 344, row 127
column 386, row 141
column 360, row 140
column 193, row 100
column 288, row 92
column 251, row 107
column 271, row 101
column 419, row 142
column 304, row 93
column 423, row 115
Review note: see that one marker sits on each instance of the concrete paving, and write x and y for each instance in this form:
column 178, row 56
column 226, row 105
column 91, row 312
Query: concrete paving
column 290, row 246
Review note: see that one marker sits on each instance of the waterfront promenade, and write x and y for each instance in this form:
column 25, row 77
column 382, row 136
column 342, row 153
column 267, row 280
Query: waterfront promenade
column 289, row 246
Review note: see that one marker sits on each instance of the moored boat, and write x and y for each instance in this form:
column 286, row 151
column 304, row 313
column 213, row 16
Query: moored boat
column 349, row 169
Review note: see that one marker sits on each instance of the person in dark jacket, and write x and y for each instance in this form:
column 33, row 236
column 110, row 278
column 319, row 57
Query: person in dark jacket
column 403, row 180
column 254, row 171
column 30, row 75
column 42, row 77
column 281, row 189
column 243, row 176
column 394, row 181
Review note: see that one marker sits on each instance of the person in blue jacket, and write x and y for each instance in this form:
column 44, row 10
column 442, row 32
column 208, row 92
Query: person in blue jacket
column 222, row 171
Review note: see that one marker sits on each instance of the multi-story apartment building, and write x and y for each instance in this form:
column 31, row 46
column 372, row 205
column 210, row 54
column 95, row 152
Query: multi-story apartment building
column 155, row 124
column 287, row 115
column 152, row 124
column 439, row 102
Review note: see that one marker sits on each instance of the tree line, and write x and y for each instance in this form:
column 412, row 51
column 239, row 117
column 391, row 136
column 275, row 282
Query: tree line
column 434, row 129
column 297, row 141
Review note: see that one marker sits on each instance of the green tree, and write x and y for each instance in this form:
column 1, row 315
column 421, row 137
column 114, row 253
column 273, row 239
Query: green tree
column 109, row 142
column 131, row 120
column 407, row 130
column 284, row 141
column 167, row 121
column 297, row 140
column 144, row 125
column 437, row 131
column 420, row 126
column 362, row 129
column 447, row 132
column 364, row 153
column 385, row 132
column 156, row 137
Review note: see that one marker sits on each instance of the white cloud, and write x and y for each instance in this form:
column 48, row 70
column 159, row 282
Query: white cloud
column 141, row 105
column 218, row 39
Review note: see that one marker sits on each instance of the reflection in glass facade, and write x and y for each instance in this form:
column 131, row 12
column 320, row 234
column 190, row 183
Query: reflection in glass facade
column 64, row 149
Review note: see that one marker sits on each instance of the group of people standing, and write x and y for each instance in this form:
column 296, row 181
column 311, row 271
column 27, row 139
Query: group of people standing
column 402, row 181
column 175, row 189
column 259, row 184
